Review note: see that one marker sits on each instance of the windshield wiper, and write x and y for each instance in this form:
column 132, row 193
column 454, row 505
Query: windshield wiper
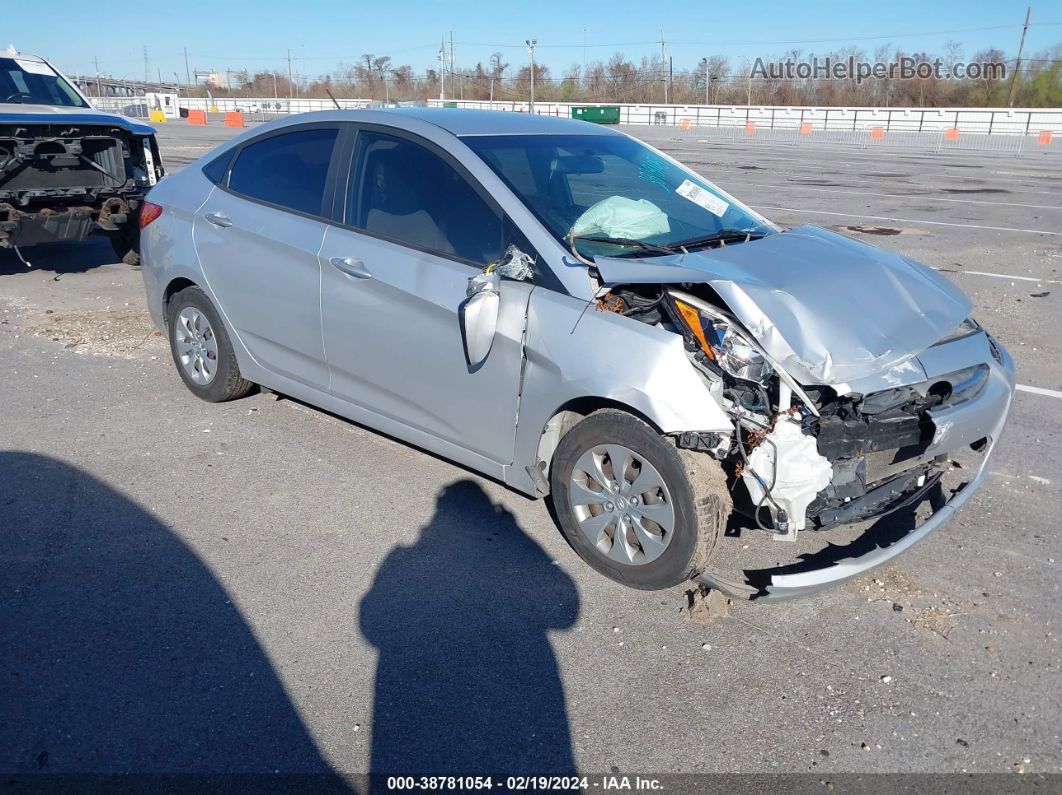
column 723, row 236
column 625, row 241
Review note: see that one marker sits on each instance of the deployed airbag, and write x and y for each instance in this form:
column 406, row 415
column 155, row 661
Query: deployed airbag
column 617, row 216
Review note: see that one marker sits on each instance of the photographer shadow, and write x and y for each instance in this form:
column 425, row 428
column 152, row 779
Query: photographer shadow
column 466, row 680
column 119, row 650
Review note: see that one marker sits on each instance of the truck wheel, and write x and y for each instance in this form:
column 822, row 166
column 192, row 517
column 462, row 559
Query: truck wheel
column 126, row 244
column 635, row 507
column 201, row 348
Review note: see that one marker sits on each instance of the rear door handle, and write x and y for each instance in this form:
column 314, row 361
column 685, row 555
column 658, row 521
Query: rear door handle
column 218, row 219
column 352, row 266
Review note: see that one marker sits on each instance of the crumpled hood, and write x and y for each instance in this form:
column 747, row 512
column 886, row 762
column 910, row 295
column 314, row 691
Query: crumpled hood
column 830, row 309
column 19, row 113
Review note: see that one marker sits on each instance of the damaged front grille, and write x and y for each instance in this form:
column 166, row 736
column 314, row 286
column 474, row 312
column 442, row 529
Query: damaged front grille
column 35, row 167
column 60, row 182
column 49, row 163
column 879, row 445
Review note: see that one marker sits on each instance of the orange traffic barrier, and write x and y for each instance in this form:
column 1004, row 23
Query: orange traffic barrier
column 750, row 126
column 877, row 133
column 234, row 119
column 805, row 128
column 952, row 134
column 197, row 117
column 685, row 125
column 1044, row 137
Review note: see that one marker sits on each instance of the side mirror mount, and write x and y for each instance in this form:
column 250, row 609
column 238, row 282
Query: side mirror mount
column 479, row 316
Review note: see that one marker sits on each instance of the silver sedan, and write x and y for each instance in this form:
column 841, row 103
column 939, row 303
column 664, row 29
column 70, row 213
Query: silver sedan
column 576, row 314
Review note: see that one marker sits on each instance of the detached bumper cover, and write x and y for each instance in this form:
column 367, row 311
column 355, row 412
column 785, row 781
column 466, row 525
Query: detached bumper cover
column 983, row 417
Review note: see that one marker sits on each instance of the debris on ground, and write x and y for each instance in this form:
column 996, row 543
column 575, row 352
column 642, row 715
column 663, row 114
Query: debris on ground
column 120, row 333
column 931, row 610
column 704, row 604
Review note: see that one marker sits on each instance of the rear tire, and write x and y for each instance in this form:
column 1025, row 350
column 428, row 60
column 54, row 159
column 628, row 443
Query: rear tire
column 202, row 351
column 669, row 521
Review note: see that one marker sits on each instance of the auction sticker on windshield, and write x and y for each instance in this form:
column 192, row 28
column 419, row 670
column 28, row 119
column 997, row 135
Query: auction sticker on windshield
column 703, row 198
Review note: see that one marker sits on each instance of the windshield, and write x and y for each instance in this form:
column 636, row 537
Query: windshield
column 609, row 187
column 35, row 83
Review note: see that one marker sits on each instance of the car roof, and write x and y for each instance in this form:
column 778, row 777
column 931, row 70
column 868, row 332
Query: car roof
column 465, row 121
column 11, row 52
column 460, row 121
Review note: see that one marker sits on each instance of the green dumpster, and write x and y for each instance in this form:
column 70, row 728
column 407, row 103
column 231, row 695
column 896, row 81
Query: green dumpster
column 598, row 114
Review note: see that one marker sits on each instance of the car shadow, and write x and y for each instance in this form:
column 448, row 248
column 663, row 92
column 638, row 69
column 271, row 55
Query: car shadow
column 466, row 679
column 60, row 258
column 120, row 653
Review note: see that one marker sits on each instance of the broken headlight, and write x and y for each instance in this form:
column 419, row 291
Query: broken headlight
column 723, row 344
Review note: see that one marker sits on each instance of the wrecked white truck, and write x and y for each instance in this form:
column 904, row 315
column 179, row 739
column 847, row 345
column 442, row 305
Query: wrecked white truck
column 578, row 315
column 67, row 170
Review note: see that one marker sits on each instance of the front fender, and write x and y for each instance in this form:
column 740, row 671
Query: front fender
column 574, row 351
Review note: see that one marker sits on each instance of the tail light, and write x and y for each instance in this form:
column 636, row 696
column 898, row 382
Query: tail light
column 148, row 213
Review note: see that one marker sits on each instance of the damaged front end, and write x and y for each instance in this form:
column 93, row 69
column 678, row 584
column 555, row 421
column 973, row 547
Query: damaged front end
column 825, row 458
column 64, row 181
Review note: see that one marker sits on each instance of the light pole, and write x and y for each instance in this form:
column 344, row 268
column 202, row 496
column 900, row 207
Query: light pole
column 531, row 49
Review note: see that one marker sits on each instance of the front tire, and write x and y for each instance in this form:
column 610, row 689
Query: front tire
column 202, row 351
column 635, row 507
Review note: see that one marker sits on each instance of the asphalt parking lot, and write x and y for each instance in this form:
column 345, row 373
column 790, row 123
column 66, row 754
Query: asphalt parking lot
column 259, row 586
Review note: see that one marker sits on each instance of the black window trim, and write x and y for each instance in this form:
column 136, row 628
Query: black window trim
column 340, row 169
column 343, row 184
column 327, row 198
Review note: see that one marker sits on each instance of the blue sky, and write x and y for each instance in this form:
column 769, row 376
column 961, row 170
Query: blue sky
column 234, row 34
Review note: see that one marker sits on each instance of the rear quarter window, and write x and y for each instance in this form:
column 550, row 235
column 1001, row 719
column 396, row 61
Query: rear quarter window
column 216, row 169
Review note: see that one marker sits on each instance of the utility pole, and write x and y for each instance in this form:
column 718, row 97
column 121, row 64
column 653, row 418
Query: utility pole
column 442, row 69
column 707, row 81
column 99, row 89
column 492, row 89
column 663, row 65
column 187, row 73
column 453, row 76
column 289, row 73
column 1017, row 63
column 147, row 66
column 531, row 49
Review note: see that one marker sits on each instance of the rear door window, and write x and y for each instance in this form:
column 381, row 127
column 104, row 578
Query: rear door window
column 289, row 170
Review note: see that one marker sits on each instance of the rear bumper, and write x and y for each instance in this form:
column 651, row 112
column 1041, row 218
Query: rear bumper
column 978, row 419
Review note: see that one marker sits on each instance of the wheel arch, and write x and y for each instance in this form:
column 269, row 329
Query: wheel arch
column 172, row 288
column 571, row 412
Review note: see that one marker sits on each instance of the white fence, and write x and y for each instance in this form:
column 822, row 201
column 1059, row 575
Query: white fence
column 987, row 121
column 924, row 141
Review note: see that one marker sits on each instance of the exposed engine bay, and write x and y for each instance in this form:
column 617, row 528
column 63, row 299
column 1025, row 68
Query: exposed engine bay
column 63, row 181
column 800, row 457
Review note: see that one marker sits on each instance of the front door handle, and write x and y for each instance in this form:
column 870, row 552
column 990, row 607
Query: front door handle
column 219, row 219
column 352, row 266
